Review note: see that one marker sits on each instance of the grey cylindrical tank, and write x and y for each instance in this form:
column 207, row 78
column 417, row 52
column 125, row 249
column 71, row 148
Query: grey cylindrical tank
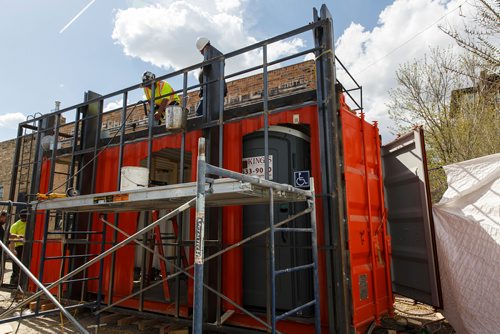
column 290, row 152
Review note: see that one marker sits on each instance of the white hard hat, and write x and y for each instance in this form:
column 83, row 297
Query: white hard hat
column 148, row 76
column 201, row 42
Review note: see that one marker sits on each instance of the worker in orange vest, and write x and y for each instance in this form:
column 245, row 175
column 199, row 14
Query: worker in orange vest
column 163, row 94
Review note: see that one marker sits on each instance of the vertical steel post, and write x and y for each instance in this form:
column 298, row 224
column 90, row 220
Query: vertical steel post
column 331, row 160
column 272, row 264
column 15, row 162
column 178, row 248
column 149, row 164
column 47, row 213
column 101, row 274
column 144, row 260
column 266, row 112
column 266, row 171
column 111, row 283
column 199, row 240
column 221, row 163
column 151, row 124
column 97, row 138
column 314, row 245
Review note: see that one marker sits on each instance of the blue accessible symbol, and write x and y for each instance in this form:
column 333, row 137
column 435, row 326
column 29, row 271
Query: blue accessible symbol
column 301, row 179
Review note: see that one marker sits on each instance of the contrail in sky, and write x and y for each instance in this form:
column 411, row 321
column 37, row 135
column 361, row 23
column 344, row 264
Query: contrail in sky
column 76, row 16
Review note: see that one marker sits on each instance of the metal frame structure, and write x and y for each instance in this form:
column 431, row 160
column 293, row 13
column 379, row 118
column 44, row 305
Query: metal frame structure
column 239, row 184
column 79, row 151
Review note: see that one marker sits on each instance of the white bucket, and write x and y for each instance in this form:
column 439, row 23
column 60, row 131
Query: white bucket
column 134, row 177
column 175, row 118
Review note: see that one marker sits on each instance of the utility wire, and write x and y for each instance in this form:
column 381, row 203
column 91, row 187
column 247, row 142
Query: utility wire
column 411, row 38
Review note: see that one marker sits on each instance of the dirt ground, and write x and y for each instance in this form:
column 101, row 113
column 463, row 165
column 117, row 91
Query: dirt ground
column 410, row 317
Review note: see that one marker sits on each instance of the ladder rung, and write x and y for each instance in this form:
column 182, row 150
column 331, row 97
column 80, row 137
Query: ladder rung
column 291, row 229
column 60, row 173
column 25, row 164
column 291, row 270
column 295, row 310
column 85, row 151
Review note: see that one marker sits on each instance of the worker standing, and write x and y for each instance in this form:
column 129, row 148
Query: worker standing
column 17, row 233
column 211, row 74
column 163, row 94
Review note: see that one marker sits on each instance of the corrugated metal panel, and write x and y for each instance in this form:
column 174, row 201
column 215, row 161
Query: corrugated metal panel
column 366, row 224
column 414, row 262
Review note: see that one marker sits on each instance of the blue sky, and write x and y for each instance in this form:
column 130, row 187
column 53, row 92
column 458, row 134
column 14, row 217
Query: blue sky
column 109, row 46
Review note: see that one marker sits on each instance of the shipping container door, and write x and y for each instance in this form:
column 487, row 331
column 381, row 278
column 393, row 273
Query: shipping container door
column 414, row 262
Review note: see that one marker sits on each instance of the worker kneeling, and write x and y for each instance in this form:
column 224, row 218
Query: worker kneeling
column 164, row 96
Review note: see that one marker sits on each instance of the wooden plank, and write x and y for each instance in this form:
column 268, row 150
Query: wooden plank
column 145, row 324
column 47, row 306
column 111, row 318
column 127, row 320
column 164, row 328
column 179, row 331
column 33, row 306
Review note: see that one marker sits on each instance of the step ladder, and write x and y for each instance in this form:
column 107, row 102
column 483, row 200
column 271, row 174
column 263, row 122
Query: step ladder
column 158, row 238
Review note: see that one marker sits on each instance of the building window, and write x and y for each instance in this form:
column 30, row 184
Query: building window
column 1, row 192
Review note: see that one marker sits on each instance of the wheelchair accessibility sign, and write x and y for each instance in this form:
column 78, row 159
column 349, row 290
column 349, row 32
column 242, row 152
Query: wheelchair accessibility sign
column 301, row 179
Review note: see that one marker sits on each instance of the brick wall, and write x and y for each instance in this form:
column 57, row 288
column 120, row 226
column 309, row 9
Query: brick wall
column 7, row 148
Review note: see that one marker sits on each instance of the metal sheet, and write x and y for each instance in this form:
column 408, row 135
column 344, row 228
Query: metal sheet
column 414, row 261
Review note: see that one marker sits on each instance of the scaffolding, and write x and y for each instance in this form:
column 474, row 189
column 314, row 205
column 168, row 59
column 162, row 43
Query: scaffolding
column 70, row 152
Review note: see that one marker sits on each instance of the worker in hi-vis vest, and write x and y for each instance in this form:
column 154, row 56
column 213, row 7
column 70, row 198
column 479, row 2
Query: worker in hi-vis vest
column 162, row 97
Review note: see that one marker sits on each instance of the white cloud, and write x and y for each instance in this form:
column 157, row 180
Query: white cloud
column 164, row 34
column 227, row 5
column 11, row 120
column 309, row 56
column 372, row 56
column 114, row 105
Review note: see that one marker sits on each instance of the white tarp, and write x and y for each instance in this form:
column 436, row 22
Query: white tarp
column 467, row 226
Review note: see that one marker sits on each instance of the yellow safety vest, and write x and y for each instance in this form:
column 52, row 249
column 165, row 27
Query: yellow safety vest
column 19, row 228
column 162, row 88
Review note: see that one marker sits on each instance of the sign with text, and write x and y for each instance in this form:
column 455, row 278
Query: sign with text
column 255, row 166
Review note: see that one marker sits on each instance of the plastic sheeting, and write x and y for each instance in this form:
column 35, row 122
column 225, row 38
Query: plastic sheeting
column 467, row 227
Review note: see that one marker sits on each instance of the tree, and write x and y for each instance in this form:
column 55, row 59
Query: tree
column 481, row 38
column 456, row 103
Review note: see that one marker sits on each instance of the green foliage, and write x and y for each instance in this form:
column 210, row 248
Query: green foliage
column 455, row 101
